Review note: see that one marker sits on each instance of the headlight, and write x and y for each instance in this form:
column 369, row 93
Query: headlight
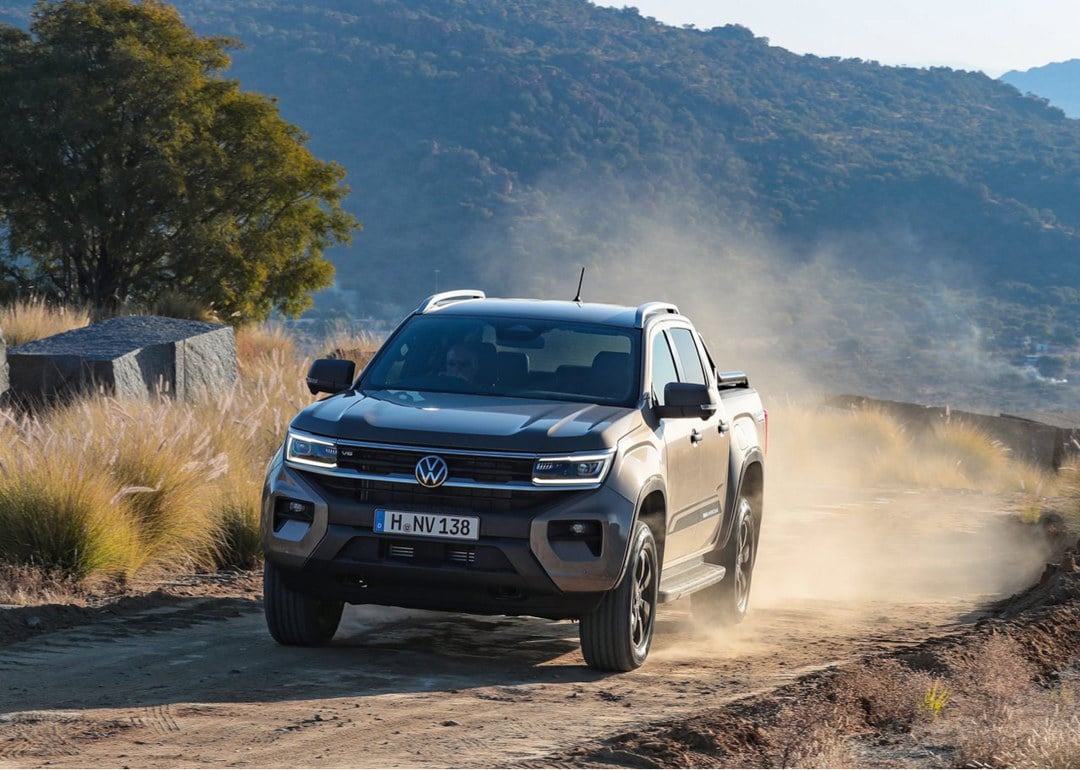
column 572, row 469
column 311, row 451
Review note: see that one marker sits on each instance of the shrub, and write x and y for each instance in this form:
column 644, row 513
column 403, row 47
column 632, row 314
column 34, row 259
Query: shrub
column 870, row 447
column 177, row 305
column 145, row 483
column 887, row 694
column 30, row 319
column 812, row 734
column 239, row 510
column 257, row 345
column 60, row 517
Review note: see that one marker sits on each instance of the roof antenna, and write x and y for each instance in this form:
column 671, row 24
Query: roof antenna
column 581, row 280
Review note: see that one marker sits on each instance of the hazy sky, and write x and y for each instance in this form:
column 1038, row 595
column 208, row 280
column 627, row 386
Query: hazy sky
column 989, row 35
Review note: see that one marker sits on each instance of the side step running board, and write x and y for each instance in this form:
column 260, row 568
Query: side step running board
column 687, row 578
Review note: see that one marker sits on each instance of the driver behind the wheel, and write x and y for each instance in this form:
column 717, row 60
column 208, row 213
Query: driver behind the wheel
column 463, row 362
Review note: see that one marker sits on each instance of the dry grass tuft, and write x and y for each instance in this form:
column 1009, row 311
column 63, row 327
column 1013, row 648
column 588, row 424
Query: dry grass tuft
column 1069, row 492
column 994, row 674
column 178, row 305
column 26, row 320
column 22, row 584
column 887, row 694
column 997, row 704
column 239, row 510
column 809, row 735
column 258, row 344
column 1053, row 743
column 343, row 343
column 869, row 447
column 61, row 517
column 112, row 486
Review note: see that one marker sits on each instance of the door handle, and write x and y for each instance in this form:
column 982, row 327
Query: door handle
column 695, row 436
column 722, row 427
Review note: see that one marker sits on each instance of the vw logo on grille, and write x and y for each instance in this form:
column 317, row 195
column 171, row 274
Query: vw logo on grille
column 431, row 471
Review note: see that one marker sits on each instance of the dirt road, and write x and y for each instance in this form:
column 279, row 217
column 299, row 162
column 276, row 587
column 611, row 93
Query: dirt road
column 199, row 682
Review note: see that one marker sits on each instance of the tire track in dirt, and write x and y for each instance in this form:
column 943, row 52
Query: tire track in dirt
column 400, row 687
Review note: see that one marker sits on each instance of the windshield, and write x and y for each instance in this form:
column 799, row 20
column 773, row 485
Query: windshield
column 524, row 358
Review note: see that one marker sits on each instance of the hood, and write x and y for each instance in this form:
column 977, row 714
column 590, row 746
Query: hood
column 457, row 421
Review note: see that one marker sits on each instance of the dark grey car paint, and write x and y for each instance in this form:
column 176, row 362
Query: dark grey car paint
column 698, row 478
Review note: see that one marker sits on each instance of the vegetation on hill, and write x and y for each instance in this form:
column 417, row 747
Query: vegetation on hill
column 470, row 124
column 503, row 144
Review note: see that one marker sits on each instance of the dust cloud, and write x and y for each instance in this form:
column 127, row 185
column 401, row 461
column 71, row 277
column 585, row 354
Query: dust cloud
column 804, row 326
column 800, row 320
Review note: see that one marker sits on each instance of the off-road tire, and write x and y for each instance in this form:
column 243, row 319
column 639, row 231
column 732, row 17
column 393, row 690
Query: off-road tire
column 725, row 603
column 617, row 635
column 294, row 618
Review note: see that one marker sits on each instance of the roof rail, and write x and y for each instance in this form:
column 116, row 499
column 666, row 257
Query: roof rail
column 651, row 308
column 449, row 297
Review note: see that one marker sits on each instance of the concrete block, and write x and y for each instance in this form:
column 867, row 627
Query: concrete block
column 130, row 356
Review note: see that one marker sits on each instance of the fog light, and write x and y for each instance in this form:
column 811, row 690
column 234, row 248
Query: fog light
column 286, row 510
column 568, row 537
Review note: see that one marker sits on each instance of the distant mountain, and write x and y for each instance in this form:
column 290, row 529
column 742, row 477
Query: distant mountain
column 1058, row 82
column 502, row 144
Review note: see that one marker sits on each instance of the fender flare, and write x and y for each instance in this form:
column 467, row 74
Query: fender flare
column 753, row 456
column 652, row 484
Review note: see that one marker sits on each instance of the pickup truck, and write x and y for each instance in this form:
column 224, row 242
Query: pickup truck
column 520, row 457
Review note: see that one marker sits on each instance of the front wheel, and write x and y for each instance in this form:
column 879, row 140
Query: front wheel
column 294, row 618
column 726, row 602
column 616, row 636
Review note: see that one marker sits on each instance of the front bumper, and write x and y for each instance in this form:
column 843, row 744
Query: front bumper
column 517, row 566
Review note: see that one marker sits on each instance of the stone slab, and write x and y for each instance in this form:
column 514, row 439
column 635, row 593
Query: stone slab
column 129, row 356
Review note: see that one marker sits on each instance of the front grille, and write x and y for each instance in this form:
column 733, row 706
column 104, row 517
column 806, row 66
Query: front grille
column 438, row 500
column 380, row 461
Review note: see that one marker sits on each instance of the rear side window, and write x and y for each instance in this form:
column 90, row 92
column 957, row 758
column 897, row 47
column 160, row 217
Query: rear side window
column 688, row 356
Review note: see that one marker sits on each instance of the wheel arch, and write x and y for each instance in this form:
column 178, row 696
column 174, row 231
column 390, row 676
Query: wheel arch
column 751, row 484
column 652, row 509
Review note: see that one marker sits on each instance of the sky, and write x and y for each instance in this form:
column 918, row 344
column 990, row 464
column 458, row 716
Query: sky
column 989, row 35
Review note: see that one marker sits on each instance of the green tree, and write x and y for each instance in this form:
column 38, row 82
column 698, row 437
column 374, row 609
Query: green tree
column 130, row 167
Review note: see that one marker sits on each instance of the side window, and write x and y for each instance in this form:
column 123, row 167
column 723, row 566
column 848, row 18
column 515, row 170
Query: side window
column 663, row 367
column 688, row 356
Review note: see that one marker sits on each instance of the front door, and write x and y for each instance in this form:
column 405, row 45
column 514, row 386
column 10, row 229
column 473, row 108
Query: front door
column 696, row 451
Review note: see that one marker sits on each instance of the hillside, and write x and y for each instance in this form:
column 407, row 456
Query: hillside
column 1058, row 82
column 873, row 215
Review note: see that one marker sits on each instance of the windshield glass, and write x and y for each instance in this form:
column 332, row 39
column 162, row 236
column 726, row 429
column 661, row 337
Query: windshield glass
column 525, row 358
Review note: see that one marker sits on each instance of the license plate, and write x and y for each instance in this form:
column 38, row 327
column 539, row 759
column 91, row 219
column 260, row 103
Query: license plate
column 427, row 524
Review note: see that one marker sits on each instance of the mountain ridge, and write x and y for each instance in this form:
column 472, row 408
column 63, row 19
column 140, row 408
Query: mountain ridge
column 1057, row 82
column 504, row 144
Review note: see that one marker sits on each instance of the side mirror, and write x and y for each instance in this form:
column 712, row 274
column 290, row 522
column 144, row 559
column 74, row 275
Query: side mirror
column 686, row 399
column 330, row 375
